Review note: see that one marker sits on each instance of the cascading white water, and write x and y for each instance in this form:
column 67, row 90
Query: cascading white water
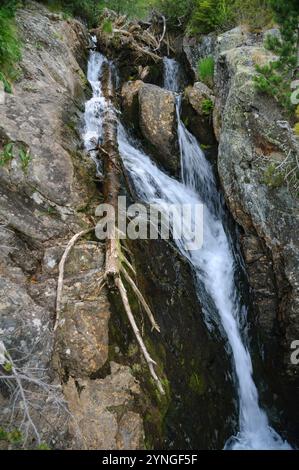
column 171, row 74
column 213, row 264
column 94, row 107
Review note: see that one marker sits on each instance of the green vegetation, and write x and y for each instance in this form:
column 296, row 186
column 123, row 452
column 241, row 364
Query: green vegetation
column 25, row 158
column 10, row 48
column 107, row 27
column 43, row 446
column 273, row 177
column 90, row 10
column 13, row 437
column 6, row 83
column 276, row 77
column 205, row 16
column 206, row 70
column 7, row 154
column 207, row 107
column 16, row 438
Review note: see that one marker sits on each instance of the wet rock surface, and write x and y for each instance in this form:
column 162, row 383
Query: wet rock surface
column 194, row 359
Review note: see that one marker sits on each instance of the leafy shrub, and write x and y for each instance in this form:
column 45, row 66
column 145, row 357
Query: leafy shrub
column 206, row 70
column 296, row 129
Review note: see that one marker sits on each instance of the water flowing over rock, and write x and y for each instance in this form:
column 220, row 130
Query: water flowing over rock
column 225, row 297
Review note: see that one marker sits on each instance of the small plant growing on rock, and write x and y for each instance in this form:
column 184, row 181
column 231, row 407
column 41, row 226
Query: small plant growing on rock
column 25, row 158
column 13, row 437
column 207, row 107
column 272, row 177
column 273, row 82
column 283, row 173
column 206, row 70
column 6, row 83
column 43, row 446
column 7, row 154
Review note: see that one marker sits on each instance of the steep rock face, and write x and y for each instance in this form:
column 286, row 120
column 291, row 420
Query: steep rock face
column 158, row 123
column 253, row 134
column 47, row 194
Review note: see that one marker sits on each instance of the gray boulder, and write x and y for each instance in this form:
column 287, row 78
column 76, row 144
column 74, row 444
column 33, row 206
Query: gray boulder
column 158, row 124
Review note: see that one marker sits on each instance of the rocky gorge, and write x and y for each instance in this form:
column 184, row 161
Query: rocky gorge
column 87, row 385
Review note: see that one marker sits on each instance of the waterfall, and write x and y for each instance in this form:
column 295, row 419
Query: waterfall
column 171, row 74
column 213, row 264
column 94, row 107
